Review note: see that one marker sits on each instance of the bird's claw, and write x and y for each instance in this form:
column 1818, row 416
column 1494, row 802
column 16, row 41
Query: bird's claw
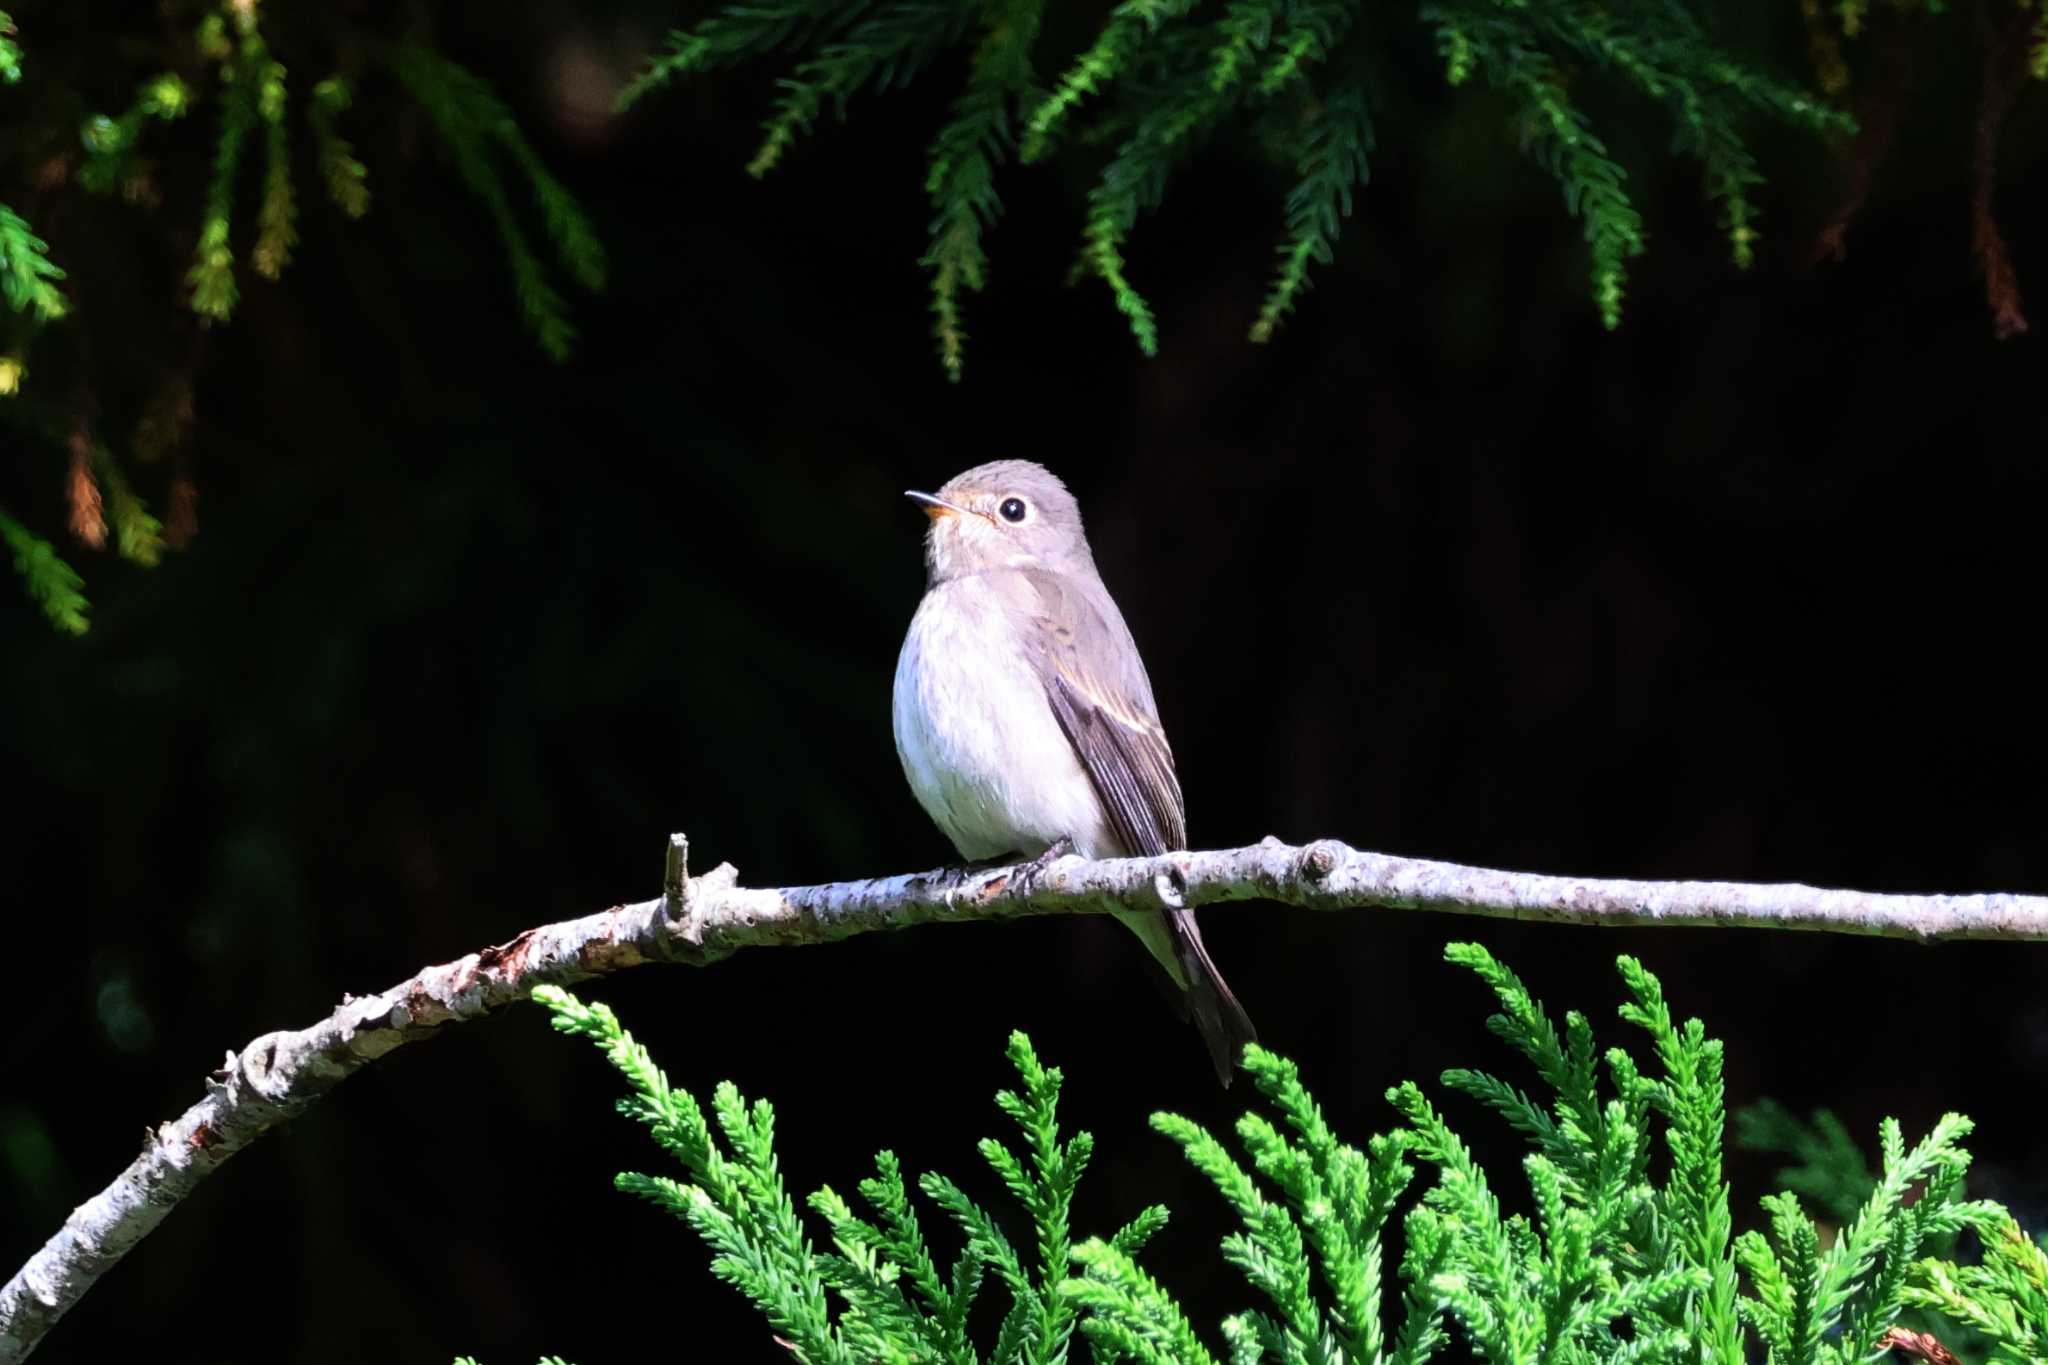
column 1029, row 873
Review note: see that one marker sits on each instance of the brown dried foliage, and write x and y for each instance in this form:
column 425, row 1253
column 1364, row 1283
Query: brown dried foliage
column 1878, row 107
column 82, row 491
column 1919, row 1345
column 181, row 514
column 2006, row 53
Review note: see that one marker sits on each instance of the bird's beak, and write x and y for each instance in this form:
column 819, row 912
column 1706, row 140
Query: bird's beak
column 934, row 507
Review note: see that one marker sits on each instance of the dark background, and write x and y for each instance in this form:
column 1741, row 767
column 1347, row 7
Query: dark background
column 1749, row 590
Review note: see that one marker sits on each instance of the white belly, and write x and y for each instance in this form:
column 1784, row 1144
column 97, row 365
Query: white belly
column 984, row 754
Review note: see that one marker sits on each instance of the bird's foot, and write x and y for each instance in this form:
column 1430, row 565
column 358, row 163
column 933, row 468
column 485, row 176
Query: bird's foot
column 1028, row 873
column 973, row 873
column 1024, row 872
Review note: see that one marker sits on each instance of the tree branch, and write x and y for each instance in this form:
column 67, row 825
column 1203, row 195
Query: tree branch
column 702, row 919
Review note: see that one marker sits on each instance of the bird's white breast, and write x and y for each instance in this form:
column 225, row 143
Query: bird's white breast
column 984, row 754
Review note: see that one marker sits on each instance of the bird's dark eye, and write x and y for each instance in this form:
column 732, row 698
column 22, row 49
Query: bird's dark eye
column 1013, row 509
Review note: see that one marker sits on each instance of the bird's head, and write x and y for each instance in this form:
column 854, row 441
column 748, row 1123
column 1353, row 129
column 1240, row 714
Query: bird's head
column 1009, row 514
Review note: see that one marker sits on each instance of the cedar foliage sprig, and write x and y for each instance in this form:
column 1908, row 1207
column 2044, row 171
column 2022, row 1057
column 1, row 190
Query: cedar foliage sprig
column 1613, row 1243
column 893, row 1302
column 138, row 535
column 1996, row 1310
column 1827, row 1168
column 28, row 278
column 1160, row 77
column 1313, row 1253
column 52, row 584
column 1626, row 1256
column 2004, row 1297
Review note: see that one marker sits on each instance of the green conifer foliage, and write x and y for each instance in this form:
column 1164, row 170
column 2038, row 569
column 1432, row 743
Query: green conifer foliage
column 28, row 278
column 347, row 179
column 479, row 130
column 111, row 142
column 1625, row 1256
column 10, row 52
column 880, row 1294
column 2004, row 1298
column 1162, row 77
column 51, row 583
column 222, row 65
column 1827, row 1170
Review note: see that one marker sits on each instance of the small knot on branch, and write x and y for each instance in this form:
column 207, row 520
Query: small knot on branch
column 1319, row 860
column 258, row 1066
column 693, row 900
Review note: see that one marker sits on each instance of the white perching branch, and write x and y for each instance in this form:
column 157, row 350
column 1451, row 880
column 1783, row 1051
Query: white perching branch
column 699, row 920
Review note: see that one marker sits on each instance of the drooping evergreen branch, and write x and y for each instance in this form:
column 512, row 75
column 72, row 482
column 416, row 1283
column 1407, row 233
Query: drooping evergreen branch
column 1171, row 105
column 224, row 58
column 1161, row 77
column 1126, row 28
column 245, row 67
column 887, row 47
column 52, row 584
column 737, row 34
column 277, row 215
column 961, row 180
column 1337, row 140
column 1558, row 133
column 699, row 920
column 138, row 536
column 477, row 128
column 347, row 179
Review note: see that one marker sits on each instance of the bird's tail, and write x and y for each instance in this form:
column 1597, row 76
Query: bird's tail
column 1225, row 1027
column 1173, row 938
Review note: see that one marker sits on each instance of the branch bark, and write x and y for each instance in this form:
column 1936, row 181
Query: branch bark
column 698, row 920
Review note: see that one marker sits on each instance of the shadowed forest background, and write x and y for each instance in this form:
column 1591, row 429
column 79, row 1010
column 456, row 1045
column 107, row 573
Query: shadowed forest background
column 1750, row 589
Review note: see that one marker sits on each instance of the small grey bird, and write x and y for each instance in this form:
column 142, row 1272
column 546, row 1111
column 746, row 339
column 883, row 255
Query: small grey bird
column 1023, row 715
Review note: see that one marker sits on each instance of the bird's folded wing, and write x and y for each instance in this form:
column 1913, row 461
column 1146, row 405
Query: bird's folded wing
column 1095, row 684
